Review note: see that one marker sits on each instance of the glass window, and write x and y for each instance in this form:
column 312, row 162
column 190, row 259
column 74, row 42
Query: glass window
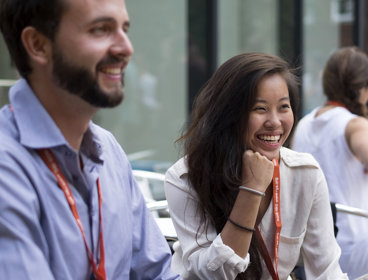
column 328, row 25
column 8, row 73
column 247, row 25
column 155, row 106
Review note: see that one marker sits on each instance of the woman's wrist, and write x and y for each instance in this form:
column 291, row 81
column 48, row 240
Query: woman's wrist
column 245, row 228
column 251, row 190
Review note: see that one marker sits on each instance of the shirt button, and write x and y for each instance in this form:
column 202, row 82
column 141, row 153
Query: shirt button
column 67, row 153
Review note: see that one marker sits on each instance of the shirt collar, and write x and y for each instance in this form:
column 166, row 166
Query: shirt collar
column 295, row 159
column 36, row 127
column 91, row 145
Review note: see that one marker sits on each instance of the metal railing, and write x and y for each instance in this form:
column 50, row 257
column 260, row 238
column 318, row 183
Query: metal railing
column 157, row 205
column 7, row 83
column 351, row 210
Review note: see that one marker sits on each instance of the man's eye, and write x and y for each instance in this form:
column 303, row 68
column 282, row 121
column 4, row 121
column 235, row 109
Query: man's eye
column 99, row 30
column 126, row 27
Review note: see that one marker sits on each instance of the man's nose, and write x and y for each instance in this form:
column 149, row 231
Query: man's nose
column 122, row 46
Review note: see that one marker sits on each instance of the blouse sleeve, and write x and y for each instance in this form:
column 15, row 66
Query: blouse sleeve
column 204, row 256
column 320, row 242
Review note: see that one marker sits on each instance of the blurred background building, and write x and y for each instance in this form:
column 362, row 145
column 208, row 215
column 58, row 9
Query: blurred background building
column 179, row 44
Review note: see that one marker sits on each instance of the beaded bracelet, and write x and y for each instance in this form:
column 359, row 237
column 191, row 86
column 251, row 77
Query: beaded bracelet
column 251, row 190
column 240, row 226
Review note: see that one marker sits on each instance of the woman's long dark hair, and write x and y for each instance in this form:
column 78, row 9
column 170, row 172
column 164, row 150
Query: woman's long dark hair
column 214, row 141
column 345, row 73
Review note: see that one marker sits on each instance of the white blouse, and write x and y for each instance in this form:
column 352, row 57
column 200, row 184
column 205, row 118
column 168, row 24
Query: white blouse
column 324, row 137
column 306, row 235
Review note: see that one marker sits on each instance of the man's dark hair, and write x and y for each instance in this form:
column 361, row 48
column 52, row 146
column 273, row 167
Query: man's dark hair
column 15, row 15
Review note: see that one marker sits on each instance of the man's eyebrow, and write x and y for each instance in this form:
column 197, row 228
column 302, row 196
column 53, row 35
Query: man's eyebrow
column 109, row 19
column 102, row 19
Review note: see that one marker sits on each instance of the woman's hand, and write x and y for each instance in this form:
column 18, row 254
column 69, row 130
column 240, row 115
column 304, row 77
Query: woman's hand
column 257, row 171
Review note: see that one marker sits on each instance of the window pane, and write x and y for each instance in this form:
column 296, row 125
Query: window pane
column 8, row 73
column 247, row 25
column 155, row 106
column 328, row 25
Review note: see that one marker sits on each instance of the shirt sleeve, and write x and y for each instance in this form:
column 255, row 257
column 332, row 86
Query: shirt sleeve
column 204, row 256
column 151, row 253
column 319, row 242
column 23, row 245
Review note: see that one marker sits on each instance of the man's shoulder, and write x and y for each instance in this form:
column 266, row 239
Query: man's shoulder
column 7, row 124
column 17, row 161
column 9, row 136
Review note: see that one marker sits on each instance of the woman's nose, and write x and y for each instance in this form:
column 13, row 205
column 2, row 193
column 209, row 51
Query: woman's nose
column 273, row 120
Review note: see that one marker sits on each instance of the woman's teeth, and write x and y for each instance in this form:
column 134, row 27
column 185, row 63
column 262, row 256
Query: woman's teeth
column 270, row 138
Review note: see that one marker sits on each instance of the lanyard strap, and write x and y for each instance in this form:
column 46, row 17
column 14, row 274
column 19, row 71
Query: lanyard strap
column 265, row 255
column 50, row 160
column 277, row 213
column 335, row 103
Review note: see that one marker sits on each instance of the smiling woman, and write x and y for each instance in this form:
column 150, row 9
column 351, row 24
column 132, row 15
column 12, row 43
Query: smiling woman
column 234, row 206
column 271, row 118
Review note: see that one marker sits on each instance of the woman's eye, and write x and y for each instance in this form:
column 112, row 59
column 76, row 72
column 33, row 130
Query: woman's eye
column 259, row 109
column 285, row 106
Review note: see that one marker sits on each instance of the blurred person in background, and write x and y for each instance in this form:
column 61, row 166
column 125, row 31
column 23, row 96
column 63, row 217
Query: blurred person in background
column 69, row 205
column 336, row 135
column 244, row 206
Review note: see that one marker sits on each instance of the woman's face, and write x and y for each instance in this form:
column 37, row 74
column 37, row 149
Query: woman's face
column 271, row 118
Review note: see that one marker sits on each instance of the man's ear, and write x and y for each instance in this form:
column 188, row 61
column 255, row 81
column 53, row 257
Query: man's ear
column 37, row 45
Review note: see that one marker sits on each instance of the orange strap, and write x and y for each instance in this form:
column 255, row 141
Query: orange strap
column 335, row 103
column 265, row 255
column 277, row 213
column 50, row 160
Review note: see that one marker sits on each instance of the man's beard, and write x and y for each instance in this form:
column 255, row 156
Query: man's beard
column 81, row 82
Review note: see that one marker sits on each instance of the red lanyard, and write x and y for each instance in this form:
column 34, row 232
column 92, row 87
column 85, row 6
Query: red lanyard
column 51, row 162
column 277, row 213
